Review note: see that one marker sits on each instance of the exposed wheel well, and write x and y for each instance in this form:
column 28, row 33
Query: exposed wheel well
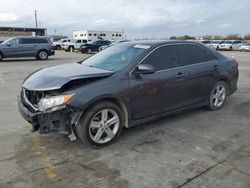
column 42, row 50
column 120, row 104
column 227, row 83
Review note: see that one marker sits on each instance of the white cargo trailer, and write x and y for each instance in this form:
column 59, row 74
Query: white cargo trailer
column 89, row 35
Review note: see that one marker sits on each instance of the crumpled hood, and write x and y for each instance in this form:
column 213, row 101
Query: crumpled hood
column 52, row 78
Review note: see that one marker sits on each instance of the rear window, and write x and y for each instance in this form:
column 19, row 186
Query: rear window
column 193, row 54
column 206, row 42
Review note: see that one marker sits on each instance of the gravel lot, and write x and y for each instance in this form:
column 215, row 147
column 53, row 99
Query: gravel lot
column 200, row 148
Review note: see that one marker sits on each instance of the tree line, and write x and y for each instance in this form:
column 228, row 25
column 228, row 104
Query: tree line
column 213, row 37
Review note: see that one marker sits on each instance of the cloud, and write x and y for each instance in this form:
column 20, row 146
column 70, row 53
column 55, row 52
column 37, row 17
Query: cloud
column 199, row 22
column 225, row 25
column 8, row 18
column 138, row 18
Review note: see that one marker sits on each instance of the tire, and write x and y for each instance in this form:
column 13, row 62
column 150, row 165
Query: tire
column 218, row 96
column 1, row 56
column 71, row 49
column 58, row 47
column 93, row 122
column 42, row 55
column 89, row 51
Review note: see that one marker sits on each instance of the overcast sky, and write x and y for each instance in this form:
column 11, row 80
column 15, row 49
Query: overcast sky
column 139, row 18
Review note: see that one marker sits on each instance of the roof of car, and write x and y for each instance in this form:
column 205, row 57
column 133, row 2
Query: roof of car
column 155, row 43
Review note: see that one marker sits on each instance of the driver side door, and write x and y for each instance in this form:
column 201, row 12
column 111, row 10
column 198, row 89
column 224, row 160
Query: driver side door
column 13, row 48
column 161, row 91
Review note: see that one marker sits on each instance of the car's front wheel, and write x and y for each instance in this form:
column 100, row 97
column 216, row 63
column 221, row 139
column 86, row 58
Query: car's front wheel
column 100, row 125
column 218, row 96
column 89, row 51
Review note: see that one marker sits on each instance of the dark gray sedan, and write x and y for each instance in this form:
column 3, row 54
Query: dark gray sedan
column 125, row 85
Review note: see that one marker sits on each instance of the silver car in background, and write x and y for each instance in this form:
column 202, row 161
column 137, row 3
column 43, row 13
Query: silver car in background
column 216, row 43
column 208, row 43
column 245, row 47
column 230, row 45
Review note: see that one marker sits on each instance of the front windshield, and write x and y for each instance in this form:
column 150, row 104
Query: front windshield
column 114, row 58
column 92, row 42
column 227, row 42
column 7, row 41
column 216, row 42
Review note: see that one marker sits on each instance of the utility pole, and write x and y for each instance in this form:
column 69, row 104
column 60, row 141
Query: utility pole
column 36, row 17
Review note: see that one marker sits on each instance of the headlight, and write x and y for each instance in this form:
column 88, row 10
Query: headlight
column 54, row 102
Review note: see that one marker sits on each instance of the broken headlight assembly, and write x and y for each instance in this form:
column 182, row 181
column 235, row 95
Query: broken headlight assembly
column 54, row 102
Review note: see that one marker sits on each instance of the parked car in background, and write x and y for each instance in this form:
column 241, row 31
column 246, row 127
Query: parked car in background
column 93, row 46
column 230, row 45
column 127, row 84
column 216, row 43
column 39, row 47
column 58, row 44
column 245, row 47
column 207, row 43
column 74, row 45
column 112, row 44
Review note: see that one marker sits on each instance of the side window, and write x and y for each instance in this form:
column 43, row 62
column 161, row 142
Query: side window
column 163, row 58
column 15, row 42
column 78, row 41
column 210, row 56
column 40, row 41
column 192, row 54
column 25, row 41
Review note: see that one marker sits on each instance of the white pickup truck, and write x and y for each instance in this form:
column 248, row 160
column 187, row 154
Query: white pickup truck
column 74, row 45
column 58, row 44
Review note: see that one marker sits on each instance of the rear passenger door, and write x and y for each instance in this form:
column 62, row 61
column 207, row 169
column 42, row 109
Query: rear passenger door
column 28, row 46
column 203, row 72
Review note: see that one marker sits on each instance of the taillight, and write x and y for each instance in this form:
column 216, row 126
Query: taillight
column 234, row 57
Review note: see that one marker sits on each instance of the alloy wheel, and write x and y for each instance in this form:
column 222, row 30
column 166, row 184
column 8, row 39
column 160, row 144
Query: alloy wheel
column 219, row 95
column 104, row 126
column 43, row 55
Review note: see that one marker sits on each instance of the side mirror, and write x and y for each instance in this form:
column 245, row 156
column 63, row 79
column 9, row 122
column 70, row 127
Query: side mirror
column 8, row 44
column 145, row 69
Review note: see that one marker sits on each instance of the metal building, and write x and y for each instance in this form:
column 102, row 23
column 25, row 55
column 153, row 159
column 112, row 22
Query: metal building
column 115, row 35
column 7, row 32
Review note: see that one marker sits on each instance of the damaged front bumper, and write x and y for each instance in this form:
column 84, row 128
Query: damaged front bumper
column 60, row 121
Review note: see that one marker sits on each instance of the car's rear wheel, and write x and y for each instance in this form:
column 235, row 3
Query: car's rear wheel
column 89, row 51
column 100, row 125
column 42, row 55
column 218, row 96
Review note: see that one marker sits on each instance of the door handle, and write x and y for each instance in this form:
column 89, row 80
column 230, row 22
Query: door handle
column 180, row 74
